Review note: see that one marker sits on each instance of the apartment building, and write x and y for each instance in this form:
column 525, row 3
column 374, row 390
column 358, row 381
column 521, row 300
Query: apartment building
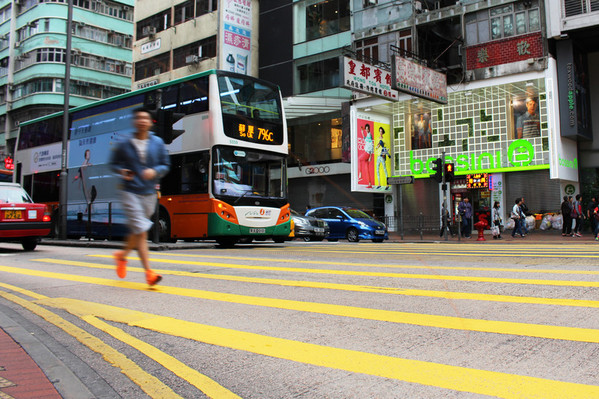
column 33, row 50
column 174, row 39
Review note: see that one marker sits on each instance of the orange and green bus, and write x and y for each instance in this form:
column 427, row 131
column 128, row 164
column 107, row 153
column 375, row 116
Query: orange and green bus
column 227, row 138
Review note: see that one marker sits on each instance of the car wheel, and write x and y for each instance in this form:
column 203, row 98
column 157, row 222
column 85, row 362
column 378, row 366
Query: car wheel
column 29, row 243
column 378, row 240
column 352, row 235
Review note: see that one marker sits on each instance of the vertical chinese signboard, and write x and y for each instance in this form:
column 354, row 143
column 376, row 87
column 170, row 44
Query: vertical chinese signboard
column 236, row 36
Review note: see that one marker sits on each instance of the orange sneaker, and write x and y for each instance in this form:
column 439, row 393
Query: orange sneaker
column 152, row 278
column 121, row 264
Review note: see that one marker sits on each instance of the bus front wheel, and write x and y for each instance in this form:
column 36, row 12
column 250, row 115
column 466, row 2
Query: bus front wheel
column 164, row 227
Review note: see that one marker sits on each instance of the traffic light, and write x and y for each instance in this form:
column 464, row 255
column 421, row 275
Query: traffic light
column 438, row 169
column 163, row 125
column 449, row 172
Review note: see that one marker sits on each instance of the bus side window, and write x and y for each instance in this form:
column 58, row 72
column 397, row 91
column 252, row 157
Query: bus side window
column 194, row 176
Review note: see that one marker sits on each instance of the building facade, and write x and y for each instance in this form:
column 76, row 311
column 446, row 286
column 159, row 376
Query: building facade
column 506, row 124
column 32, row 57
column 174, row 39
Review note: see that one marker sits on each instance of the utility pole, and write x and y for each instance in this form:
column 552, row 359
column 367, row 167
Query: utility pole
column 65, row 124
column 444, row 188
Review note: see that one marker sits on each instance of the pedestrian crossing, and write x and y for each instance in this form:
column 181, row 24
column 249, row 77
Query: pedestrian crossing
column 386, row 287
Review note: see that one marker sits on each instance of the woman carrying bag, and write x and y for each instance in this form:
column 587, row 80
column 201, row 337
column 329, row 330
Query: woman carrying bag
column 496, row 227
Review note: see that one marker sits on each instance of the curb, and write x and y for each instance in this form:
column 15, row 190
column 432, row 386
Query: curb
column 68, row 385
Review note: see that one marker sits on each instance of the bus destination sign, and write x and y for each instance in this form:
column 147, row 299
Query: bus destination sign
column 255, row 132
column 261, row 132
column 477, row 180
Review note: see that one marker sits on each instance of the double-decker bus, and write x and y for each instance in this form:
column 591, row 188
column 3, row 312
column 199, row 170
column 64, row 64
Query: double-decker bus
column 227, row 138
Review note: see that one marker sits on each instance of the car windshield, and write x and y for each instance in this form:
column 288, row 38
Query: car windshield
column 14, row 195
column 295, row 213
column 357, row 214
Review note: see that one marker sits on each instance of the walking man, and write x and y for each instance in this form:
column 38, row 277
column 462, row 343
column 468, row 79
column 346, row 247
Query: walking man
column 141, row 161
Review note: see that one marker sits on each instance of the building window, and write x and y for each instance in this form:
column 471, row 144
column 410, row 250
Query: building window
column 102, row 35
column 327, row 18
column 502, row 22
column 156, row 23
column 315, row 142
column 152, row 66
column 184, row 12
column 5, row 13
column 50, row 55
column 369, row 3
column 205, row 6
column 318, row 75
column 578, row 7
column 205, row 48
column 105, row 7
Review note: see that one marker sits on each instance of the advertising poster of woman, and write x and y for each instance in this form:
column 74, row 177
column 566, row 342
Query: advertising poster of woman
column 372, row 164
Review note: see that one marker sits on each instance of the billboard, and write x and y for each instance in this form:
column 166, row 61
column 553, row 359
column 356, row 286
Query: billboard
column 371, row 153
column 420, row 81
column 236, row 42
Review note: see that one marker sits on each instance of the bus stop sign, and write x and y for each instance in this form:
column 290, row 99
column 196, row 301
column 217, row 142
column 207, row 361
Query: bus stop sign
column 400, row 180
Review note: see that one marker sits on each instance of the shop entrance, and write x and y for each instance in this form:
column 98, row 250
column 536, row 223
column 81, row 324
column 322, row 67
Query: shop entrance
column 480, row 198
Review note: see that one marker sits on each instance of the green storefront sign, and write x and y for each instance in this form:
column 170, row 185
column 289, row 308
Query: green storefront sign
column 520, row 155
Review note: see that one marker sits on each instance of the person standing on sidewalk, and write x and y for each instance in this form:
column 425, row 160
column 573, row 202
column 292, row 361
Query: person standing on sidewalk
column 566, row 209
column 496, row 218
column 465, row 211
column 524, row 213
column 577, row 216
column 516, row 215
column 590, row 214
column 445, row 221
column 141, row 161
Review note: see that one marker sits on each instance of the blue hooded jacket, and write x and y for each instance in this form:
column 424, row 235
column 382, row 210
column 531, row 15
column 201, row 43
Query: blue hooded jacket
column 125, row 156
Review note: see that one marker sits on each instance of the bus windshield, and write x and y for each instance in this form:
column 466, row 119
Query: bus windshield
column 244, row 97
column 243, row 173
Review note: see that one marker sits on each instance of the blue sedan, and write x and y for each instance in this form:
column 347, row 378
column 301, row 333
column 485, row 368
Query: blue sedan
column 350, row 223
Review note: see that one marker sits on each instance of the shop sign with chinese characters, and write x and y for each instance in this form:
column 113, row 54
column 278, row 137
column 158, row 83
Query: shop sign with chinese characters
column 369, row 79
column 418, row 80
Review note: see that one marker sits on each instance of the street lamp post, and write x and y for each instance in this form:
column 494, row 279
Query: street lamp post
column 65, row 124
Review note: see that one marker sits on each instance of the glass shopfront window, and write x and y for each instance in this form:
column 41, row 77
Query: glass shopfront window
column 315, row 142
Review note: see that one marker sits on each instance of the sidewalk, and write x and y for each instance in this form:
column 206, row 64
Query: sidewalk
column 22, row 359
column 534, row 236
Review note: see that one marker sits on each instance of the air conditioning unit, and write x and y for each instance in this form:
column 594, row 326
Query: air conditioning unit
column 370, row 3
column 149, row 31
column 192, row 59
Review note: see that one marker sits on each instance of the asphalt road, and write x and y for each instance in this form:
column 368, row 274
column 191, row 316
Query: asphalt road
column 318, row 320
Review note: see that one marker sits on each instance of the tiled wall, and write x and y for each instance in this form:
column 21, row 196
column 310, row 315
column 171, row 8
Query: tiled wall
column 474, row 122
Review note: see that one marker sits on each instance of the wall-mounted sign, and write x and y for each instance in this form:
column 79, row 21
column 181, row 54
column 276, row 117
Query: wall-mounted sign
column 150, row 46
column 418, row 80
column 369, row 79
column 147, row 84
column 477, row 180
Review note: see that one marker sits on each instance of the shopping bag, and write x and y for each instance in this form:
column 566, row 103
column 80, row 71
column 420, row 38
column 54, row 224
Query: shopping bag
column 495, row 231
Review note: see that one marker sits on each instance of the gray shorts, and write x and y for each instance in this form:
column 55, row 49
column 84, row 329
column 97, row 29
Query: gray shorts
column 138, row 209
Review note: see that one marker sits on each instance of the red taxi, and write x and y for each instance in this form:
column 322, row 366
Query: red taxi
column 20, row 219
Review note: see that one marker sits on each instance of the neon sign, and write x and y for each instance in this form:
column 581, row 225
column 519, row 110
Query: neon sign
column 477, row 180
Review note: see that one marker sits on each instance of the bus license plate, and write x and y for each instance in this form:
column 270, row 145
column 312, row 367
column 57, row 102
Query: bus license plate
column 319, row 229
column 380, row 232
column 257, row 231
column 11, row 214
